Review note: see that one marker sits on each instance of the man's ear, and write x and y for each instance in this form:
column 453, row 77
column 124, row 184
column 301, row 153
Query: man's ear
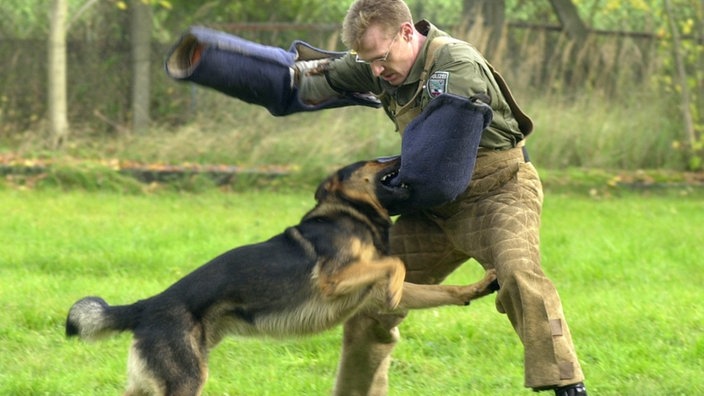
column 407, row 31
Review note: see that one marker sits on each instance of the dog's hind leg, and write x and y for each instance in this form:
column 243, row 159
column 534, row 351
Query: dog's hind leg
column 174, row 365
column 141, row 381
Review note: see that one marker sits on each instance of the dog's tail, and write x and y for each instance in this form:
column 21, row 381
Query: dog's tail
column 91, row 318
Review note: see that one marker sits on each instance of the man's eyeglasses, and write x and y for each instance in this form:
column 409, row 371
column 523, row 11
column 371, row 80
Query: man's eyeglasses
column 379, row 59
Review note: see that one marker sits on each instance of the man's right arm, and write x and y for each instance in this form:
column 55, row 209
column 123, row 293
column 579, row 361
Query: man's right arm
column 259, row 74
column 341, row 76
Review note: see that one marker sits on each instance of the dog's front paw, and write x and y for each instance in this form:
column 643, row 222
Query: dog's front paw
column 491, row 284
column 468, row 294
column 486, row 286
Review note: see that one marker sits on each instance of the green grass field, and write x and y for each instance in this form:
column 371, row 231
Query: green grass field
column 628, row 267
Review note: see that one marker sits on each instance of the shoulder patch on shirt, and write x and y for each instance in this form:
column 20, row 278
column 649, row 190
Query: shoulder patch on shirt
column 437, row 83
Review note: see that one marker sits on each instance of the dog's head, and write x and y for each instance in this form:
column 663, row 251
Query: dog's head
column 366, row 183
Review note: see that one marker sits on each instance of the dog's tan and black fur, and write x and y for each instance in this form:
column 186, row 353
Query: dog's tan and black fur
column 313, row 276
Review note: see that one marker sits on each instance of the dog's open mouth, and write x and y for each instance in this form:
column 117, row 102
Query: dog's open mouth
column 389, row 180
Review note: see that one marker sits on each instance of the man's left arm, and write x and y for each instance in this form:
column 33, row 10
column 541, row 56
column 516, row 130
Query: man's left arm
column 439, row 147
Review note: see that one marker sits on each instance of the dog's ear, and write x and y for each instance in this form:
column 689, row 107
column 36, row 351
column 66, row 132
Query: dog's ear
column 325, row 188
column 334, row 182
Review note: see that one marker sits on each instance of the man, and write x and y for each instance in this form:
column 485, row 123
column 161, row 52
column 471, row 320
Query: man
column 418, row 73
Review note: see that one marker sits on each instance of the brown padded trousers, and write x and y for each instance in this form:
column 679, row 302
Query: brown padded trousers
column 496, row 222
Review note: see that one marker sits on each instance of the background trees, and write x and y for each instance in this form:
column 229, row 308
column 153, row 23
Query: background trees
column 605, row 49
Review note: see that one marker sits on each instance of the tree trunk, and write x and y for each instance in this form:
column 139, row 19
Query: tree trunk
column 56, row 74
column 577, row 31
column 681, row 79
column 569, row 18
column 492, row 16
column 141, row 34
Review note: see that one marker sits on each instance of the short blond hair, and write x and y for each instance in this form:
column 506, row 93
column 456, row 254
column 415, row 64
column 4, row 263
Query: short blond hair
column 389, row 14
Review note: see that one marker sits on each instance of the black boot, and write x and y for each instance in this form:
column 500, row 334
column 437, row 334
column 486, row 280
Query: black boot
column 571, row 390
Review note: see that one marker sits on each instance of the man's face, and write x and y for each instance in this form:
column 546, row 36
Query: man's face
column 390, row 57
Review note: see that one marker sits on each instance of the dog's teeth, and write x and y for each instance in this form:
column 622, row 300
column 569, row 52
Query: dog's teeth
column 389, row 176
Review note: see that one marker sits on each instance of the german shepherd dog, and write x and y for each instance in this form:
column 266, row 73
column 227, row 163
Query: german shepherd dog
column 310, row 278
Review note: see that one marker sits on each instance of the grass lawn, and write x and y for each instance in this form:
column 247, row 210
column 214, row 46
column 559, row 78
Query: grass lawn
column 629, row 269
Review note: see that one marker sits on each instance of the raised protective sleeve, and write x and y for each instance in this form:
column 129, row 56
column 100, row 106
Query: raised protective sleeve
column 249, row 71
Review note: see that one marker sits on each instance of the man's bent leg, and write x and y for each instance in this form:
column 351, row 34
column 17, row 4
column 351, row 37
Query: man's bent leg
column 369, row 339
column 530, row 299
column 508, row 222
column 366, row 354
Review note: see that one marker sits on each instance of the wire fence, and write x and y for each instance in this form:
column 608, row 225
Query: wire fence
column 531, row 57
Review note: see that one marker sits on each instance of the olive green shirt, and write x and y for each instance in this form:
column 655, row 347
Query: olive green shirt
column 458, row 69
